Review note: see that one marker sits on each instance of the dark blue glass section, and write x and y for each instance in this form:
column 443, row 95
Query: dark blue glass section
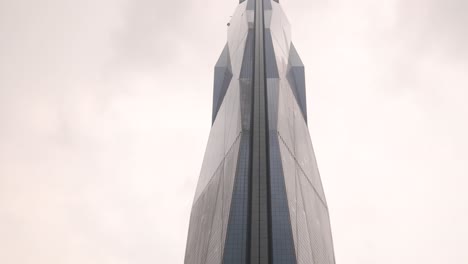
column 235, row 249
column 283, row 251
column 296, row 79
column 245, row 80
column 270, row 58
column 247, row 61
column 273, row 89
column 222, row 79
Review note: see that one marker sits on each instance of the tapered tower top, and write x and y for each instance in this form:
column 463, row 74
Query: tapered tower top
column 240, row 1
column 259, row 198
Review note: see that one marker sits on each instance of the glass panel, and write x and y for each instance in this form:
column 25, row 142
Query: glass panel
column 237, row 33
column 235, row 251
column 273, row 90
column 281, row 228
column 304, row 252
column 305, row 152
column 232, row 116
column 214, row 153
column 224, row 132
column 214, row 251
column 230, row 166
column 201, row 221
column 296, row 79
column 286, row 116
column 222, row 79
column 280, row 31
column 289, row 174
column 245, row 81
column 270, row 59
column 319, row 223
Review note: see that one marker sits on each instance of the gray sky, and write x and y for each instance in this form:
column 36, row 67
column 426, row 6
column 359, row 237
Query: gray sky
column 105, row 114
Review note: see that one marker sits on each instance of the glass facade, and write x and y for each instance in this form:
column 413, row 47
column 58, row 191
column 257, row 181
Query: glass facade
column 259, row 197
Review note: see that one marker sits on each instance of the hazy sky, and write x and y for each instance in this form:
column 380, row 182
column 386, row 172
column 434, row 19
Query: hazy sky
column 105, row 110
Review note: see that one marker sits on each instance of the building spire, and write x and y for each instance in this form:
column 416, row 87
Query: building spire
column 259, row 198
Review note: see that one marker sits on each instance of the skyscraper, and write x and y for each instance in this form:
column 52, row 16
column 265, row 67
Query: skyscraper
column 259, row 197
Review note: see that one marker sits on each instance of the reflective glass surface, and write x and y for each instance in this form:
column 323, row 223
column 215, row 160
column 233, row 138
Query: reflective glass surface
column 226, row 207
column 222, row 79
column 235, row 251
column 283, row 251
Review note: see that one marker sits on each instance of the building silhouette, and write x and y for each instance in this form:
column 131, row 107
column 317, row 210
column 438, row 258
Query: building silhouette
column 259, row 197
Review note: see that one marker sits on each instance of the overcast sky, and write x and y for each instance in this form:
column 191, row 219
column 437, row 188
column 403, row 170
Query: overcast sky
column 105, row 110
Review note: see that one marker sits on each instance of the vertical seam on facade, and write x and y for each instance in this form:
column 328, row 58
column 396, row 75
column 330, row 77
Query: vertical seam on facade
column 259, row 239
column 267, row 140
column 252, row 117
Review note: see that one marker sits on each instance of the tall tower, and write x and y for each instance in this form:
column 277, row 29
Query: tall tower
column 259, row 198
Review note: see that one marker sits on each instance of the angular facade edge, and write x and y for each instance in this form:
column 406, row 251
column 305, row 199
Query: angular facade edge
column 259, row 197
